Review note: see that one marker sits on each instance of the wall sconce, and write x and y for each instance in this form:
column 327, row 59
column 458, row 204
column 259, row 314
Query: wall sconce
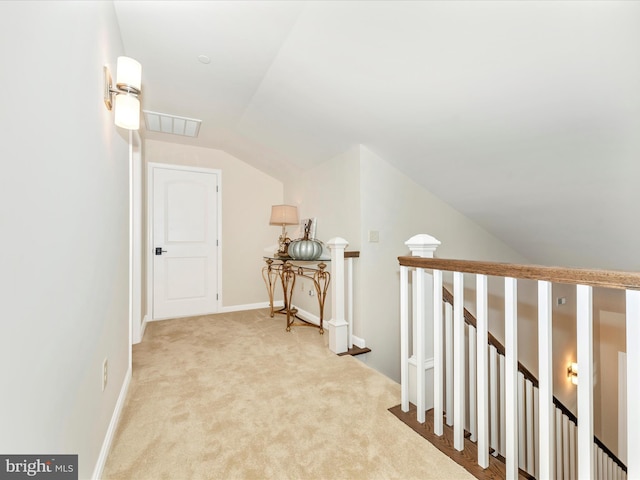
column 126, row 92
column 572, row 373
column 283, row 215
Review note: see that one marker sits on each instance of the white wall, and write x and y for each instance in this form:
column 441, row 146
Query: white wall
column 247, row 197
column 64, row 214
column 330, row 193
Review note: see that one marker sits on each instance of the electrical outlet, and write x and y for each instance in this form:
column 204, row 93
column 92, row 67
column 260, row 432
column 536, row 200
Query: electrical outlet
column 104, row 374
column 374, row 236
column 562, row 300
column 311, row 293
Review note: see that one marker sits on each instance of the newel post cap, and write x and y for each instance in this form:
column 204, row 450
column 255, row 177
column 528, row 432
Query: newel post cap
column 422, row 245
column 337, row 242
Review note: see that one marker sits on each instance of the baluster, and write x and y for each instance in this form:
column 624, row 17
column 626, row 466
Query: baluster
column 437, row 354
column 558, row 442
column 511, row 376
column 419, row 294
column 536, row 432
column 565, row 447
column 458, row 362
column 600, row 462
column 609, row 468
column 483, row 374
column 448, row 323
column 522, row 455
column 529, row 405
column 404, row 338
column 349, row 267
column 503, row 411
column 545, row 384
column 493, row 389
column 585, row 381
column 633, row 383
column 573, row 466
column 472, row 383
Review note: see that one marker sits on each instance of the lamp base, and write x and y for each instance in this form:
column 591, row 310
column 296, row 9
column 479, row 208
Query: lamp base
column 283, row 243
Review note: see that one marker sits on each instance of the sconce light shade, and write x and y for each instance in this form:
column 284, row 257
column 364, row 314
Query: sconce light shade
column 284, row 215
column 129, row 74
column 126, row 92
column 127, row 112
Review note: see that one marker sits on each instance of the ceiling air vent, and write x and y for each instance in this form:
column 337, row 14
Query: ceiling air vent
column 165, row 123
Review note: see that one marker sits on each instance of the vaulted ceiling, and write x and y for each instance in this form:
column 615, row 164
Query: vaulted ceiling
column 524, row 116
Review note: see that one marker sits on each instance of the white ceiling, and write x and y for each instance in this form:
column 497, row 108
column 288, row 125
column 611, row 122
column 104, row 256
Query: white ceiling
column 523, row 115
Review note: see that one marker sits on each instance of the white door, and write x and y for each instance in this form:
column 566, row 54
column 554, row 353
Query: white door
column 184, row 242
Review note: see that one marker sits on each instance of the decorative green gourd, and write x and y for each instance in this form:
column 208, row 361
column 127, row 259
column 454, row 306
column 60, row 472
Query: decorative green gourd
column 305, row 249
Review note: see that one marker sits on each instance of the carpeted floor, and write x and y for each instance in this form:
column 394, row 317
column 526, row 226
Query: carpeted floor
column 234, row 396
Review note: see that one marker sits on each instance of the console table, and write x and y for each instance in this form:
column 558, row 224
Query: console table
column 287, row 270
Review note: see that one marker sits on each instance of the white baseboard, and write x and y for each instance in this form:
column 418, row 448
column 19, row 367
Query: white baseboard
column 428, row 362
column 143, row 327
column 358, row 342
column 309, row 317
column 113, row 425
column 232, row 308
column 249, row 306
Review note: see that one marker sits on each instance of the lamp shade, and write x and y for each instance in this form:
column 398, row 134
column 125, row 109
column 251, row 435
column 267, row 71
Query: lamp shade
column 284, row 215
column 129, row 73
column 127, row 112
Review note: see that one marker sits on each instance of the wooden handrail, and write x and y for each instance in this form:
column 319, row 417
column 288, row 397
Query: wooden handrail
column 576, row 276
column 447, row 297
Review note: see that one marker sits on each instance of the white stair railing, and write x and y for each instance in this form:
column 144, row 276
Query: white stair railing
column 511, row 416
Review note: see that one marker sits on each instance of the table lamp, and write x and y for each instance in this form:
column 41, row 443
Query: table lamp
column 283, row 215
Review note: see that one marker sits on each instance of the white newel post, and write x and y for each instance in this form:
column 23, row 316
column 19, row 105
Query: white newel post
column 338, row 327
column 420, row 365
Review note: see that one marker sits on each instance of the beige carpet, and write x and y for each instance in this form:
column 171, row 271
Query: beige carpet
column 234, row 396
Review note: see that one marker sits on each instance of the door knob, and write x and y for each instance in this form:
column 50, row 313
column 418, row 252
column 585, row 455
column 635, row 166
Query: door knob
column 160, row 251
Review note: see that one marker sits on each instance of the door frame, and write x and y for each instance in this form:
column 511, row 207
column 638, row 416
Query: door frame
column 149, row 224
column 136, row 315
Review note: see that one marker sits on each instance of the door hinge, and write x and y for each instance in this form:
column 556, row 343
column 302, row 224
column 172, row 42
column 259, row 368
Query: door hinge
column 217, row 189
column 216, row 296
column 217, row 244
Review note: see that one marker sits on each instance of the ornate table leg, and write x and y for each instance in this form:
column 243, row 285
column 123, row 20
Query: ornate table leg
column 288, row 283
column 321, row 279
column 269, row 275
